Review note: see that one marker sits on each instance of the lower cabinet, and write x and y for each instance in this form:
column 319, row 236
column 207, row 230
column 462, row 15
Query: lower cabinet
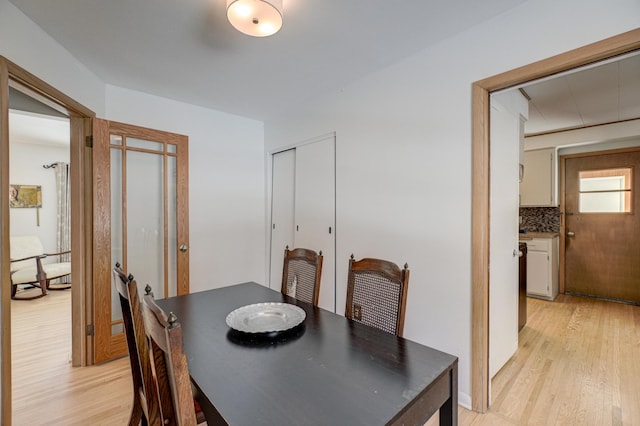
column 542, row 268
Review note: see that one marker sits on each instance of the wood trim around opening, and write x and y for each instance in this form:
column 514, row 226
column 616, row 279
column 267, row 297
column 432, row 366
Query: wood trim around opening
column 81, row 253
column 480, row 210
column 5, row 292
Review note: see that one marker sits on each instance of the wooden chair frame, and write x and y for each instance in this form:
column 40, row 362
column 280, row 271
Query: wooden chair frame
column 170, row 362
column 146, row 407
column 306, row 255
column 388, row 270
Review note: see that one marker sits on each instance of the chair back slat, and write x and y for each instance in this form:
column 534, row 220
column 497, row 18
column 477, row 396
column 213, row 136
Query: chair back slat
column 301, row 274
column 170, row 362
column 145, row 394
column 377, row 294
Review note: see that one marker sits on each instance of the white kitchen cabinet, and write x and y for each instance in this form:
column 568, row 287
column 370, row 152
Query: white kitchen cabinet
column 538, row 186
column 542, row 268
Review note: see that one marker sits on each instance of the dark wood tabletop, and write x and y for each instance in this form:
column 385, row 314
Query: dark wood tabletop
column 329, row 371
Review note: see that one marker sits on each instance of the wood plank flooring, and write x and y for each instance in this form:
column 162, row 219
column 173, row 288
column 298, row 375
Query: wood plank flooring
column 46, row 389
column 578, row 363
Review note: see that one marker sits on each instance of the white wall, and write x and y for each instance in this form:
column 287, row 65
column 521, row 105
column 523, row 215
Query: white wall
column 226, row 184
column 27, row 45
column 403, row 136
column 227, row 205
column 227, row 199
column 404, row 155
column 26, row 161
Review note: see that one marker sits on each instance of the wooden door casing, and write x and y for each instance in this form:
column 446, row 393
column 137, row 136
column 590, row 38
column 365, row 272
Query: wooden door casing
column 106, row 345
column 601, row 258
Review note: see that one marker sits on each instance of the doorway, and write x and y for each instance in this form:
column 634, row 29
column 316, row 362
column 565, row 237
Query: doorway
column 11, row 75
column 481, row 206
column 601, row 224
column 39, row 157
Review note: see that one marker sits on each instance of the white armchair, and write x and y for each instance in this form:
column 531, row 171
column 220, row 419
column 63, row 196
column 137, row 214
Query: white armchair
column 27, row 267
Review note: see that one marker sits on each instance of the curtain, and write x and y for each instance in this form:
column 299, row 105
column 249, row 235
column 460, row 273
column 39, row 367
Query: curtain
column 64, row 214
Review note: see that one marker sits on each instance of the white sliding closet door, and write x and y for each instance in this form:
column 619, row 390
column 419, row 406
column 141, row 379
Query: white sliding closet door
column 303, row 210
column 282, row 211
column 315, row 209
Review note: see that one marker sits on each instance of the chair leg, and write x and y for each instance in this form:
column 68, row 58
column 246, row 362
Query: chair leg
column 64, row 286
column 137, row 417
column 14, row 288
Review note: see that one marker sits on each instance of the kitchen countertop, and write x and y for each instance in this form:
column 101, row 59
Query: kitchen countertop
column 531, row 235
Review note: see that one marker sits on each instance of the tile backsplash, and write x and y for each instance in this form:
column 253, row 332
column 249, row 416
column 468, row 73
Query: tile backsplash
column 540, row 219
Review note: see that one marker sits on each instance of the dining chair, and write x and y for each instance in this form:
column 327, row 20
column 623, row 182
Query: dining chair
column 146, row 406
column 301, row 274
column 170, row 363
column 377, row 294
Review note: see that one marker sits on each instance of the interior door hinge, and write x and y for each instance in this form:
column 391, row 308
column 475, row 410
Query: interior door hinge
column 89, row 142
column 90, row 330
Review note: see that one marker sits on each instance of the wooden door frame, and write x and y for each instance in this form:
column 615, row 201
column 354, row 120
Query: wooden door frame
column 107, row 346
column 81, row 227
column 481, row 208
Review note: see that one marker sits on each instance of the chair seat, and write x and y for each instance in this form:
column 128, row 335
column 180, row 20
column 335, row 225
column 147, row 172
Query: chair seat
column 52, row 271
column 24, row 276
column 56, row 270
column 28, row 266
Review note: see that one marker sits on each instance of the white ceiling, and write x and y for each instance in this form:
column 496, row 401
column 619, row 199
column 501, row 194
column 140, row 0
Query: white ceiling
column 187, row 51
column 38, row 129
column 595, row 95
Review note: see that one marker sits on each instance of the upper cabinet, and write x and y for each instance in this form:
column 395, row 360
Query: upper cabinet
column 538, row 186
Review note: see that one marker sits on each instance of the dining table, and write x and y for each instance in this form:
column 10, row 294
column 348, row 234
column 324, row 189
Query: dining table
column 326, row 370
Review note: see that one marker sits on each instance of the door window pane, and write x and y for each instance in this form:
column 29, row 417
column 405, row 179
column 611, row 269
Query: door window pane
column 145, row 220
column 143, row 144
column 172, row 228
column 117, row 254
column 605, row 191
column 116, row 140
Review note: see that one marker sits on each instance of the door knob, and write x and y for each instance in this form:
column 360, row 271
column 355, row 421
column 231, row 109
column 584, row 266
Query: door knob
column 183, row 248
column 517, row 253
column 570, row 233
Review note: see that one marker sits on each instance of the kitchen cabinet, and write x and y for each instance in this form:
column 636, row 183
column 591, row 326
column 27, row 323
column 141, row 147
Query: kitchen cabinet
column 542, row 268
column 538, row 185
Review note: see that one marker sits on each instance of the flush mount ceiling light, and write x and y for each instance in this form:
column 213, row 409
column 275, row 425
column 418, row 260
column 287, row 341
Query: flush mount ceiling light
column 258, row 18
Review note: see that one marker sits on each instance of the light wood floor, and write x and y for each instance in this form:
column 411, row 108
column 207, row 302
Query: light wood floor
column 46, row 389
column 578, row 363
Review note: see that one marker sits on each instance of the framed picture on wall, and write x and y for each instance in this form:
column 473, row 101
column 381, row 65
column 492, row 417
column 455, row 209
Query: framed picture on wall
column 25, row 196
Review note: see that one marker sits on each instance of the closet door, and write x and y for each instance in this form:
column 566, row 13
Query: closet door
column 282, row 211
column 303, row 210
column 315, row 209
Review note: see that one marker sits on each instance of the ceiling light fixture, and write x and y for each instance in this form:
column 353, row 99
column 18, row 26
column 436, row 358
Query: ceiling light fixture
column 258, row 18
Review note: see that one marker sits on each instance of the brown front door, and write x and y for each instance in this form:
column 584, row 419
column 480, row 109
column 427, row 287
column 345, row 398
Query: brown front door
column 602, row 248
column 140, row 215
